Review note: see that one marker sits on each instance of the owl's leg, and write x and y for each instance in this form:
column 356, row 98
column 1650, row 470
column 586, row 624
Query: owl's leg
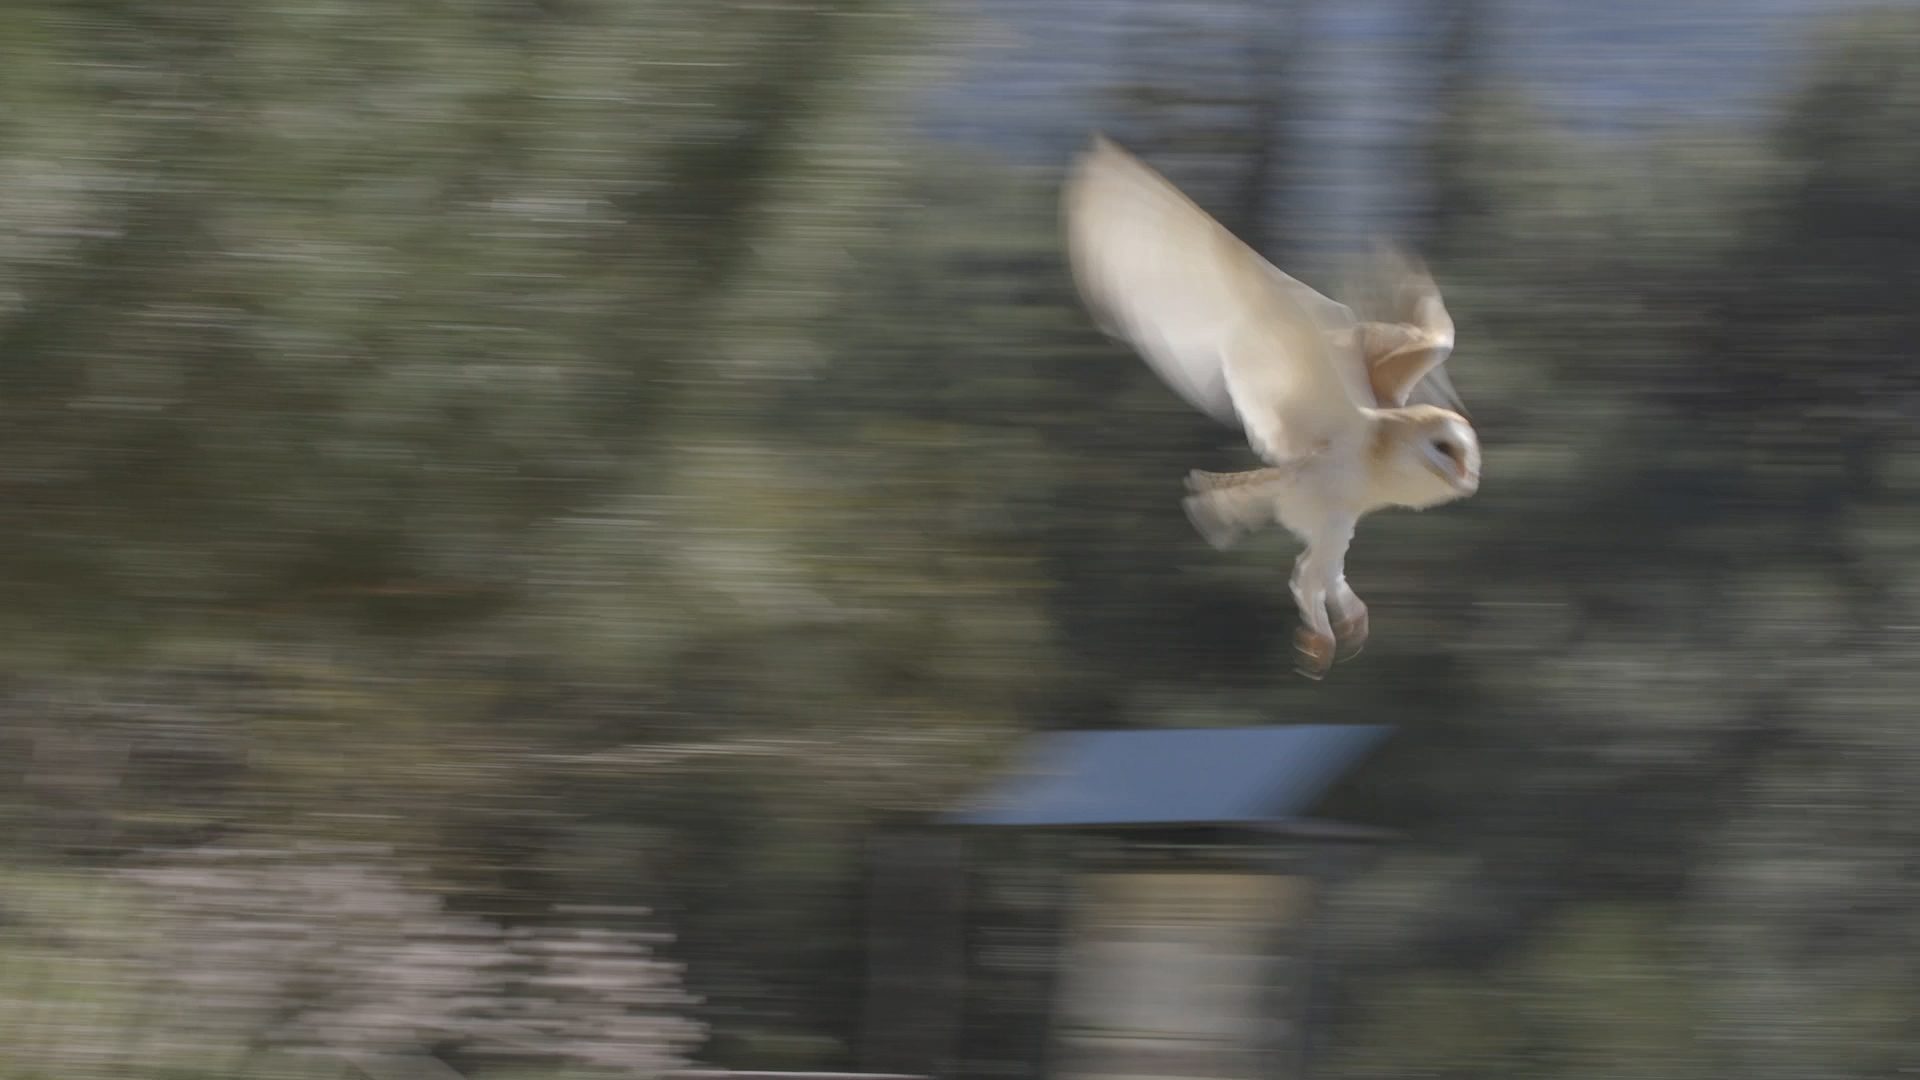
column 1314, row 641
column 1319, row 577
column 1349, row 615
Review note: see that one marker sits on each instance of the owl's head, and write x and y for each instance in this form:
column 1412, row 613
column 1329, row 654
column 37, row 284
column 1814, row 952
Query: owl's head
column 1425, row 456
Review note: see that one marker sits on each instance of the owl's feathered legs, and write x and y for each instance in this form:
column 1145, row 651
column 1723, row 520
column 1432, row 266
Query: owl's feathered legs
column 1226, row 506
column 1319, row 584
column 1314, row 642
column 1349, row 618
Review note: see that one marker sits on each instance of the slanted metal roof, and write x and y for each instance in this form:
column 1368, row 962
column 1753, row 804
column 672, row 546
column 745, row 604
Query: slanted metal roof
column 1185, row 776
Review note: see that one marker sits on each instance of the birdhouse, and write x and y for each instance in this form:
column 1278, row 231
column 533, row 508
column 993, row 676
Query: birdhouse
column 1191, row 863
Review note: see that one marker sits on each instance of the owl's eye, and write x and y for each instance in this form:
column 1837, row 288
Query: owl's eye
column 1447, row 448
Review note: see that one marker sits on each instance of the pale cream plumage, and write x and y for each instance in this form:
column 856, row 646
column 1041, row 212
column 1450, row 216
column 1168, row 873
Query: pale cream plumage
column 1351, row 413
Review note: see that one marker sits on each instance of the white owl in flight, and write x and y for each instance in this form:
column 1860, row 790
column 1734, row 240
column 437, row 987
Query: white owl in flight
column 1352, row 415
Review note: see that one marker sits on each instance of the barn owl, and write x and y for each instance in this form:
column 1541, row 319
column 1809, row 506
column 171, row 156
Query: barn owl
column 1351, row 415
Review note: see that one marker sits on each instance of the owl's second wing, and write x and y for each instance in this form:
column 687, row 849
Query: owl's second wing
column 1227, row 331
column 1409, row 334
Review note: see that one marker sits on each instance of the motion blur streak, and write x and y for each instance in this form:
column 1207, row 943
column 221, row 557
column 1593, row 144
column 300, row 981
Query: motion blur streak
column 511, row 510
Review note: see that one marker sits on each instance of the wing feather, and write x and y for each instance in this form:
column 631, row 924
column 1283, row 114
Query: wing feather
column 1408, row 334
column 1229, row 332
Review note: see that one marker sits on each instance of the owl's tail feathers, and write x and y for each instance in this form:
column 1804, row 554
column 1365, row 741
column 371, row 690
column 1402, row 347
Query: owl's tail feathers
column 1226, row 506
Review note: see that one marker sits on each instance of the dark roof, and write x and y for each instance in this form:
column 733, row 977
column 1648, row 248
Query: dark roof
column 1185, row 776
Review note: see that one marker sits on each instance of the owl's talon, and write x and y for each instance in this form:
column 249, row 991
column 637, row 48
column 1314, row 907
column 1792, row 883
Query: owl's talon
column 1351, row 632
column 1315, row 653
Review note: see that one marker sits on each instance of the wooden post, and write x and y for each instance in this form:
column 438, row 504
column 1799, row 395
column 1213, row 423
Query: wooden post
column 916, row 956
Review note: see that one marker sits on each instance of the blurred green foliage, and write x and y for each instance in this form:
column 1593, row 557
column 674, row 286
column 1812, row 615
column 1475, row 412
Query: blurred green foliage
column 596, row 449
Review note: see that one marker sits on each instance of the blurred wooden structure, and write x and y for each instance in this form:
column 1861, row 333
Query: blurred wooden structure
column 1168, row 880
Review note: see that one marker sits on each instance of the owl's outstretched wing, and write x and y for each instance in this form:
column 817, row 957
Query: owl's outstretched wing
column 1230, row 333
